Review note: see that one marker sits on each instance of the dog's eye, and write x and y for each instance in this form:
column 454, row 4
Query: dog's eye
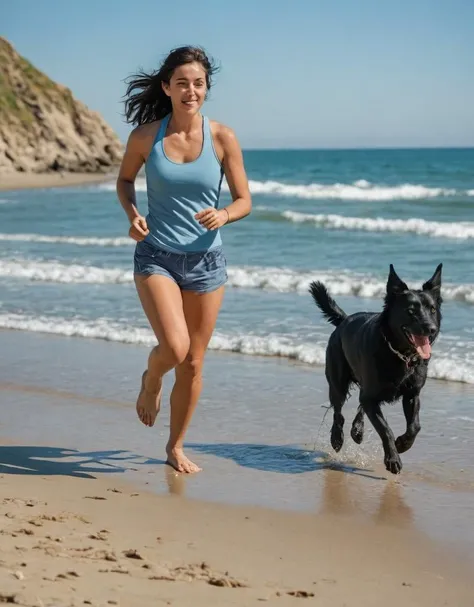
column 433, row 309
column 410, row 311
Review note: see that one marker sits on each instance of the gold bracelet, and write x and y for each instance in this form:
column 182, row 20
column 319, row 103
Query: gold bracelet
column 228, row 216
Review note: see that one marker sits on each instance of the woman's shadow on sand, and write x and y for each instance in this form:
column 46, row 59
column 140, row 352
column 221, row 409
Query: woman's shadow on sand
column 47, row 461
column 283, row 459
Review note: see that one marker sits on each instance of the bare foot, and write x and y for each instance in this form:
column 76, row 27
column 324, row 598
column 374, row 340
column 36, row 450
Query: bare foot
column 148, row 402
column 180, row 462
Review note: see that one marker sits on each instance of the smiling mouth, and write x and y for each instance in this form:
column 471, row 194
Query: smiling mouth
column 421, row 343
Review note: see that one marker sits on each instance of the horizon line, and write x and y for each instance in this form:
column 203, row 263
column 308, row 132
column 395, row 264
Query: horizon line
column 356, row 149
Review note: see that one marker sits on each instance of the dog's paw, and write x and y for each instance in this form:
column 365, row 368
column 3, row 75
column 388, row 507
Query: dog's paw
column 393, row 463
column 337, row 438
column 357, row 433
column 403, row 443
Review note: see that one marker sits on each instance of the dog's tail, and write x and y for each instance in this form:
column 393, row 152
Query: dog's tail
column 326, row 303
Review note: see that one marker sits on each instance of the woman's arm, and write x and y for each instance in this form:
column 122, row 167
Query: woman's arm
column 132, row 162
column 234, row 171
column 235, row 175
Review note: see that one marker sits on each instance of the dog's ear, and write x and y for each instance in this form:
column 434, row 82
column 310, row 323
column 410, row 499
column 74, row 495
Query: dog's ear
column 395, row 284
column 434, row 283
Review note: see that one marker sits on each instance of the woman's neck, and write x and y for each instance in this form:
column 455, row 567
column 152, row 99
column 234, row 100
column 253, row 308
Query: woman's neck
column 185, row 123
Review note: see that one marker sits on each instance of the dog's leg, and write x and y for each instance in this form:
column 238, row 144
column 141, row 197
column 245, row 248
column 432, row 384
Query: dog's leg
column 337, row 400
column 339, row 377
column 357, row 430
column 392, row 460
column 411, row 408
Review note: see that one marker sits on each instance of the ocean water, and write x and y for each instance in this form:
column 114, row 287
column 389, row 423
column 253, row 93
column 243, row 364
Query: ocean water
column 337, row 216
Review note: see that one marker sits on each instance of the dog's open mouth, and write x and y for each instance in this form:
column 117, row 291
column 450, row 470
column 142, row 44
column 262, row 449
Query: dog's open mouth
column 421, row 344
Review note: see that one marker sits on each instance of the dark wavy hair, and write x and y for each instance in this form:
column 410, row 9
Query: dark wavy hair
column 145, row 99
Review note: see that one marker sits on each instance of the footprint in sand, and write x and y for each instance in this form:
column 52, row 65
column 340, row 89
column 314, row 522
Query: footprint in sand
column 68, row 575
column 302, row 594
column 35, row 523
column 101, row 536
column 133, row 554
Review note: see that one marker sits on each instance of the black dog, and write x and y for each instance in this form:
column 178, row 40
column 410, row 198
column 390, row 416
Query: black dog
column 386, row 354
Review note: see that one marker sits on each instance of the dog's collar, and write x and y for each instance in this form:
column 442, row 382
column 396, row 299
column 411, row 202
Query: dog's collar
column 408, row 360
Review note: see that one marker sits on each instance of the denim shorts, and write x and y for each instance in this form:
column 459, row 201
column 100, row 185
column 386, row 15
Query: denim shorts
column 200, row 272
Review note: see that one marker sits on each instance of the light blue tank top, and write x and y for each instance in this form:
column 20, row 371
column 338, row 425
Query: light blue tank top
column 177, row 191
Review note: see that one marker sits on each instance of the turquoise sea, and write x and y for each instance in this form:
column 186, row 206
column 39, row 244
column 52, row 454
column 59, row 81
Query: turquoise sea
column 338, row 216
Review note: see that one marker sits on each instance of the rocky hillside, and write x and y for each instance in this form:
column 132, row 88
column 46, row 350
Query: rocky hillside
column 43, row 128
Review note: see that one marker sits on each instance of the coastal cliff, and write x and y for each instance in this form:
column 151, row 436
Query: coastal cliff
column 44, row 129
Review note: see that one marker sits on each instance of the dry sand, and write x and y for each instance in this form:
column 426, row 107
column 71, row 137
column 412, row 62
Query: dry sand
column 21, row 181
column 68, row 541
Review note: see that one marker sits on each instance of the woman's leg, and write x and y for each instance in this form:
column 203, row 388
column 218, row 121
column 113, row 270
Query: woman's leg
column 200, row 312
column 163, row 305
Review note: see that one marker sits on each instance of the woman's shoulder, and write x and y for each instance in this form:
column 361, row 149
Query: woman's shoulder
column 145, row 131
column 141, row 138
column 224, row 134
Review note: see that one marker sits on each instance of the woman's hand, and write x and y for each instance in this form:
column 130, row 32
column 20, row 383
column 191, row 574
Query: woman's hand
column 138, row 228
column 212, row 219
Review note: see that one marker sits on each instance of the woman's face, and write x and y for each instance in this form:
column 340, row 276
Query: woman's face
column 187, row 88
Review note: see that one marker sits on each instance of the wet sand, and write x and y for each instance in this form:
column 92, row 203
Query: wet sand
column 340, row 529
column 22, row 181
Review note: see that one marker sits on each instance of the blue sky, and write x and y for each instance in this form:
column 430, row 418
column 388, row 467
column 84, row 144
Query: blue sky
column 305, row 73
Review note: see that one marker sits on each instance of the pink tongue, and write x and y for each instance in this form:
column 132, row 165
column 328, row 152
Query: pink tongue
column 422, row 345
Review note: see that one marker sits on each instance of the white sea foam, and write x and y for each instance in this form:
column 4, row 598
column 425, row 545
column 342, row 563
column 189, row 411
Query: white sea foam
column 358, row 190
column 283, row 280
column 117, row 241
column 462, row 230
column 54, row 271
column 273, row 345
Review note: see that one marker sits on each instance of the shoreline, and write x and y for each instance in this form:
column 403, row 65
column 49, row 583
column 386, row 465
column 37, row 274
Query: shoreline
column 24, row 181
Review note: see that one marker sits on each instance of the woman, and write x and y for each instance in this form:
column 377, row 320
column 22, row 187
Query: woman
column 179, row 265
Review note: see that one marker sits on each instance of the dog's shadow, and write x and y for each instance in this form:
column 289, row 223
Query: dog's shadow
column 49, row 461
column 283, row 459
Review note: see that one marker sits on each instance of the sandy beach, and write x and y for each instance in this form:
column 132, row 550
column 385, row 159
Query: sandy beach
column 22, row 181
column 76, row 541
column 90, row 514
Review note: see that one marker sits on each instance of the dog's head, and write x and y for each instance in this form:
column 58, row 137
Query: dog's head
column 414, row 315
